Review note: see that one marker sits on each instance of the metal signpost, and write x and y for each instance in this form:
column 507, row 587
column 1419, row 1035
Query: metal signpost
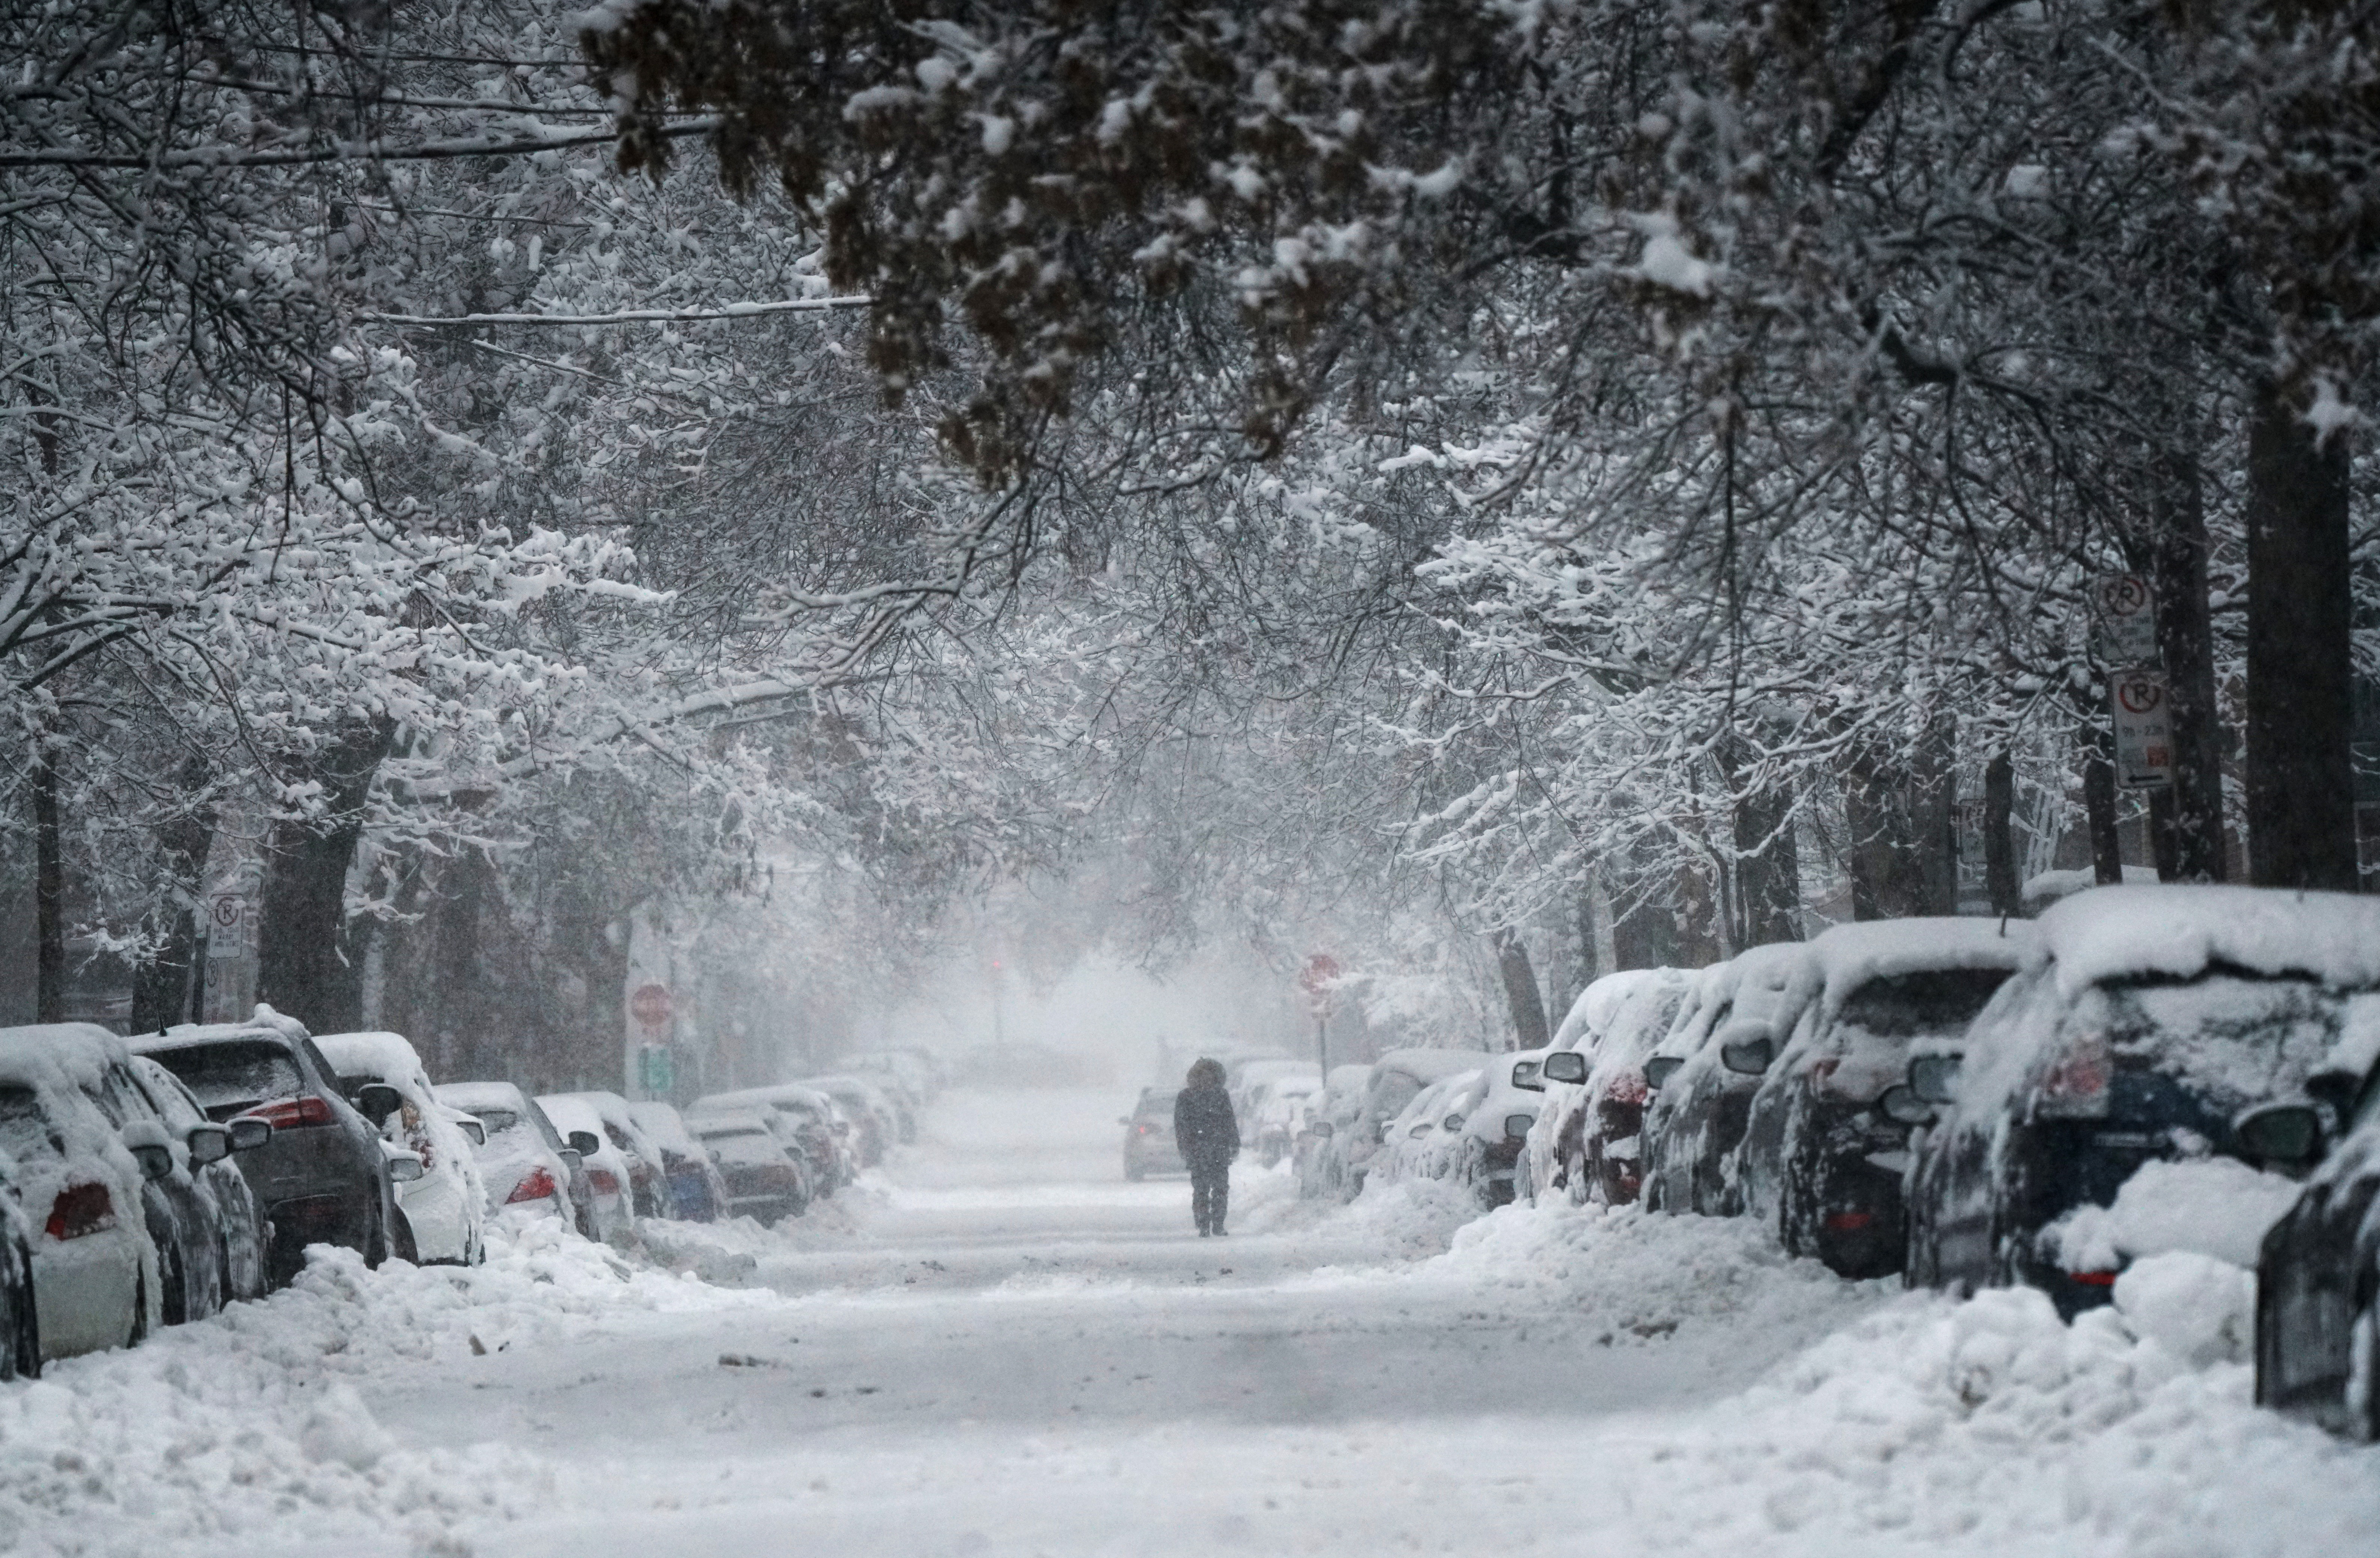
column 1320, row 970
column 652, row 1006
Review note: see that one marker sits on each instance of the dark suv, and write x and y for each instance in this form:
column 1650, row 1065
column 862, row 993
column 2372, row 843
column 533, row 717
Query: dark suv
column 323, row 1178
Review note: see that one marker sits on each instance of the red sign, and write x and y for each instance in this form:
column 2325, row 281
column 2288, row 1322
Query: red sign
column 1320, row 970
column 651, row 1005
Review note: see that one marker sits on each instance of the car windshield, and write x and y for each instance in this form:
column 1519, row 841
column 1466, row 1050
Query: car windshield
column 25, row 1131
column 498, row 1121
column 237, row 1071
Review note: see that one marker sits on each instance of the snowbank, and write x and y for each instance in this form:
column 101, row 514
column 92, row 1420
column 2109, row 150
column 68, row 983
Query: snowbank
column 253, row 1430
column 2217, row 1207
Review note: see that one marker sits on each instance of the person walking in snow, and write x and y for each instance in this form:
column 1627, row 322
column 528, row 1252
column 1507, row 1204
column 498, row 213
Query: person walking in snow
column 1209, row 1134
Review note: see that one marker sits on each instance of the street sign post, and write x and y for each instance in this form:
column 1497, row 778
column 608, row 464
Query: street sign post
column 1319, row 971
column 657, row 1070
column 2143, row 729
column 2127, row 611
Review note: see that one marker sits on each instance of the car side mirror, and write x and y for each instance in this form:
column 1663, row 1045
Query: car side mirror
column 584, row 1143
column 1563, row 1065
column 1660, row 1068
column 1452, row 1122
column 377, row 1100
column 155, row 1162
column 249, row 1133
column 210, row 1144
column 1934, row 1078
column 1901, row 1104
column 1527, row 1074
column 570, row 1158
column 1748, row 1057
column 1517, row 1125
column 404, row 1167
column 2287, row 1133
column 475, row 1131
column 1419, row 1131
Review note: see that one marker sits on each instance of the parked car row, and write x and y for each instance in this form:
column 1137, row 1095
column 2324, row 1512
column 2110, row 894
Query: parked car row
column 1454, row 1114
column 149, row 1181
column 784, row 1146
column 1980, row 1102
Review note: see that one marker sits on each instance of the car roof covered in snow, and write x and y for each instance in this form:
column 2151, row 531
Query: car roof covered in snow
column 58, row 1054
column 664, row 1125
column 1849, row 956
column 2179, row 932
column 731, row 1122
column 391, row 1057
column 265, row 1021
column 482, row 1095
column 1430, row 1066
column 1601, row 1003
column 1769, row 983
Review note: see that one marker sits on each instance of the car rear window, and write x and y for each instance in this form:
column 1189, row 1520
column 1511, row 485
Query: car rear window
column 25, row 1131
column 236, row 1071
column 746, row 1147
column 2237, row 1037
column 1936, row 1001
column 498, row 1121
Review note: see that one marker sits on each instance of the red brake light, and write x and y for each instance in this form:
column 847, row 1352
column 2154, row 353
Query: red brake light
column 535, row 1185
column 2093, row 1279
column 80, row 1210
column 1849, row 1222
column 604, row 1182
column 292, row 1112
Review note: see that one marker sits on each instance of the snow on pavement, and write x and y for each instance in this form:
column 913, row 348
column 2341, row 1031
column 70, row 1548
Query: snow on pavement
column 995, row 1345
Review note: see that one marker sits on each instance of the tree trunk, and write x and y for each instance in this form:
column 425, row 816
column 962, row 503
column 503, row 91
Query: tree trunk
column 302, row 966
column 1768, row 871
column 2300, row 776
column 165, row 988
column 2190, row 830
column 2000, row 882
column 1933, row 817
column 1886, row 879
column 2099, row 808
column 1520, row 992
column 49, row 892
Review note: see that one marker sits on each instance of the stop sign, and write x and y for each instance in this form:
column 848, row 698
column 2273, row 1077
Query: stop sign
column 651, row 1005
column 1320, row 970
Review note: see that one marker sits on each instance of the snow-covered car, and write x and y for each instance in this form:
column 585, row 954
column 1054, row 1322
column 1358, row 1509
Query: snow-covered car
column 1278, row 1110
column 444, row 1208
column 20, row 1328
column 243, row 1235
column 882, row 1120
column 1821, row 1160
column 1486, row 1154
column 831, row 1141
column 1419, row 1143
column 522, row 1161
column 2091, row 1115
column 97, row 1281
column 697, row 1192
column 608, row 1175
column 1148, row 1144
column 2318, row 1269
column 765, row 1181
column 186, row 1220
column 649, row 1189
column 321, row 1176
column 1248, row 1090
column 1556, row 1158
column 1699, row 1107
column 1336, row 1109
column 1394, row 1081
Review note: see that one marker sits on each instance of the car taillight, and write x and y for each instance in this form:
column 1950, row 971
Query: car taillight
column 604, row 1184
column 536, row 1185
column 80, row 1210
column 1849, row 1222
column 1144, row 1130
column 2076, row 1088
column 292, row 1112
column 2093, row 1279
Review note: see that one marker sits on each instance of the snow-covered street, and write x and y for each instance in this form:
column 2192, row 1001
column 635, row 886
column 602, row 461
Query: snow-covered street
column 998, row 1345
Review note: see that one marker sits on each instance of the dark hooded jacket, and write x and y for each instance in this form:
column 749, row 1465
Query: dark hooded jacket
column 1204, row 1125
